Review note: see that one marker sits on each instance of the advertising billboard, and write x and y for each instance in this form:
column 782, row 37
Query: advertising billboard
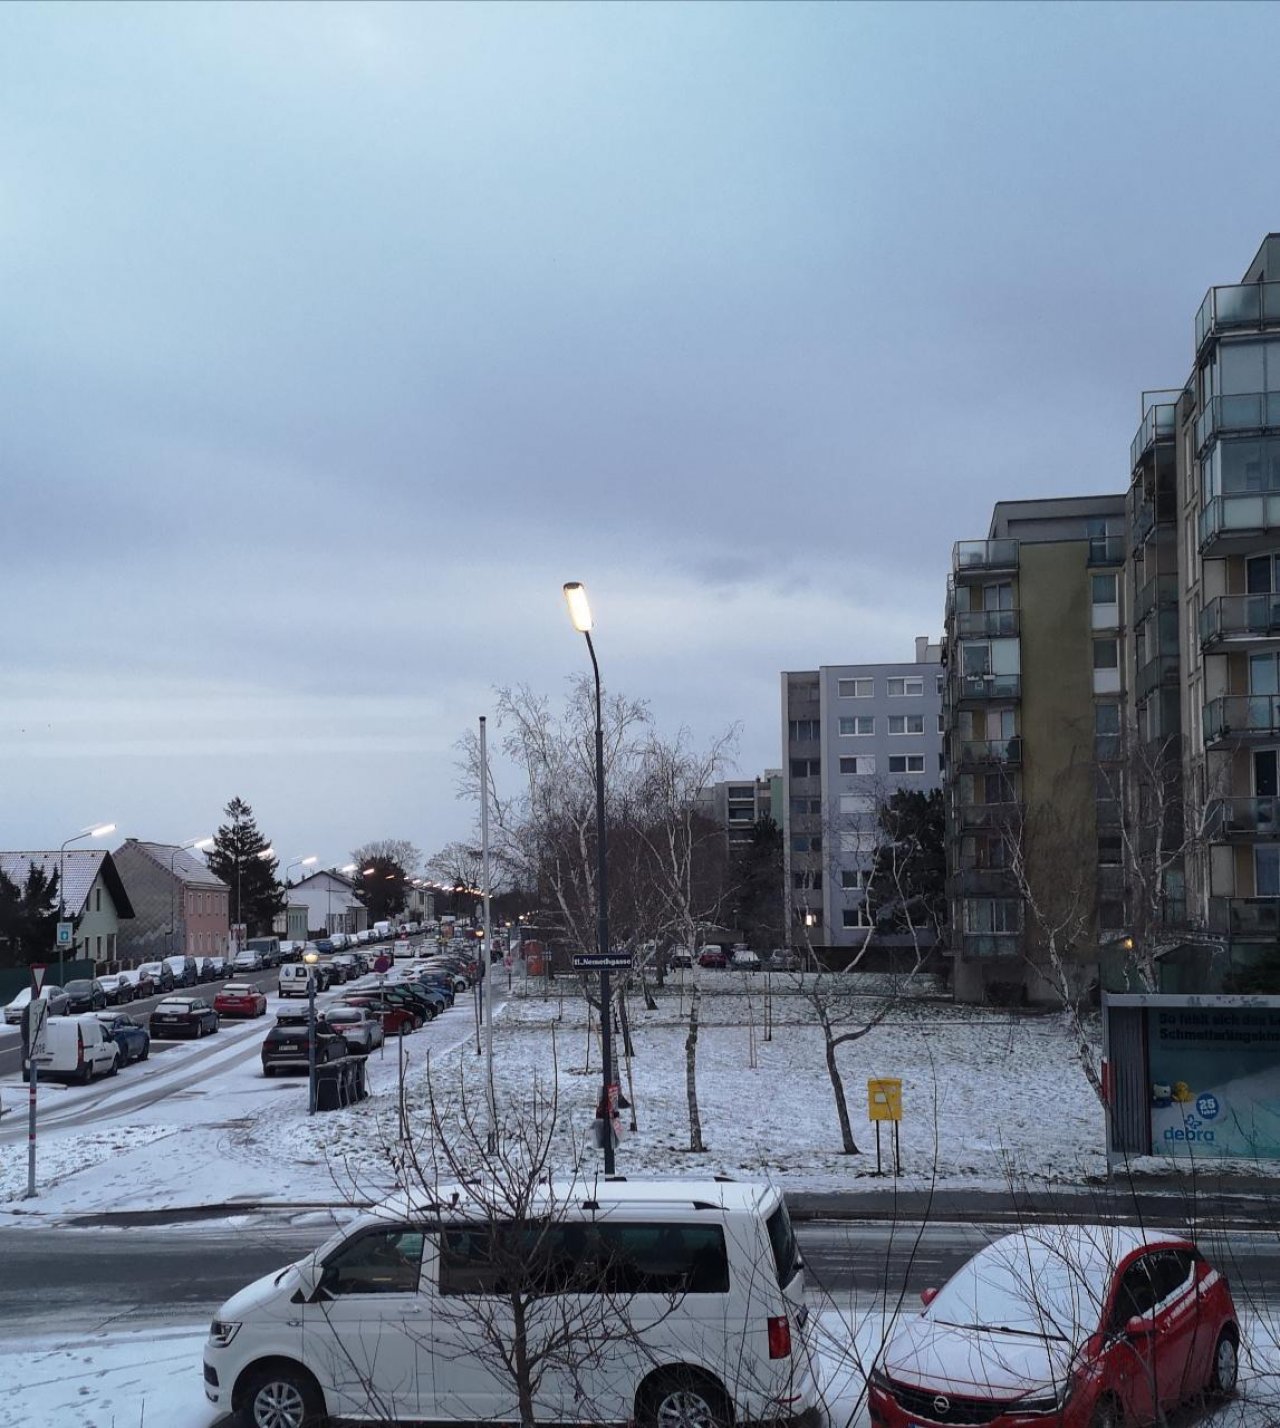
column 1214, row 1080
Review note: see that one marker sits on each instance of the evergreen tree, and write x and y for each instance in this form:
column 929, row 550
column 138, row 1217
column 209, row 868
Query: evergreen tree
column 908, row 885
column 237, row 858
column 28, row 917
column 383, row 889
column 756, row 882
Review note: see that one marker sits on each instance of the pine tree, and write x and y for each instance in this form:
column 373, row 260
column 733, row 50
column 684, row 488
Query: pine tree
column 237, row 858
column 28, row 916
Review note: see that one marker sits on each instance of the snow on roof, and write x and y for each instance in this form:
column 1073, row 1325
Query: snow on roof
column 186, row 865
column 80, row 869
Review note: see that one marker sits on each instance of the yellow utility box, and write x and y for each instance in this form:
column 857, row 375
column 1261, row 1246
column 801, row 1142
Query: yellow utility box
column 884, row 1099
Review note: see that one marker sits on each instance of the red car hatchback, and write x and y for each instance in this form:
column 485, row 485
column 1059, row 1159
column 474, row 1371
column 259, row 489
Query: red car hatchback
column 240, row 999
column 1087, row 1326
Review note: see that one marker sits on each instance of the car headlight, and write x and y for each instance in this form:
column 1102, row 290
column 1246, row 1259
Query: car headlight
column 221, row 1333
column 877, row 1378
column 1045, row 1400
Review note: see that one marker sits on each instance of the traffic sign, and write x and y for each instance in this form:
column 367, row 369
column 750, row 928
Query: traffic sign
column 36, row 1027
column 601, row 961
column 38, row 969
column 66, row 930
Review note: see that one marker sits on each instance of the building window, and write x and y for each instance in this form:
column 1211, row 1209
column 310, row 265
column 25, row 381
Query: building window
column 855, row 916
column 939, row 682
column 805, row 807
column 805, row 730
column 806, row 843
column 806, row 768
column 1106, row 654
column 1103, row 589
column 806, row 882
column 855, row 688
column 853, row 803
column 97, row 899
column 858, row 840
column 906, row 723
column 906, row 763
column 905, row 687
column 858, row 726
column 942, row 725
column 992, row 914
column 1110, row 850
column 855, row 879
column 860, row 764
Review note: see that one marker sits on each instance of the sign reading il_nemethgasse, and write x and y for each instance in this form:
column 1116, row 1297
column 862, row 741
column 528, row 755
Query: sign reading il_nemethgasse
column 1215, row 1081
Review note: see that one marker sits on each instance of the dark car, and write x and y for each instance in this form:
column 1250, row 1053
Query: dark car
column 286, row 1047
column 118, row 989
column 86, row 994
column 440, row 997
column 396, row 1019
column 325, row 946
column 424, row 1004
column 184, row 1016
column 156, row 977
column 205, row 970
column 131, row 1037
column 438, row 983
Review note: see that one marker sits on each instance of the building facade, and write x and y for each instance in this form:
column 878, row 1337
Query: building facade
column 736, row 805
column 1034, row 688
column 330, row 902
column 93, row 897
column 180, row 906
column 852, row 736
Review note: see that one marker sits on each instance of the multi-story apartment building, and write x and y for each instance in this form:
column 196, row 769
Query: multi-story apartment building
column 1033, row 697
column 853, row 734
column 736, row 805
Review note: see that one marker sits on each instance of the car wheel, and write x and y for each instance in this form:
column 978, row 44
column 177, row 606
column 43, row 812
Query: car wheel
column 1107, row 1414
column 115, row 1067
column 86, row 1074
column 268, row 1070
column 1225, row 1369
column 682, row 1399
column 146, row 1051
column 199, row 1031
column 283, row 1397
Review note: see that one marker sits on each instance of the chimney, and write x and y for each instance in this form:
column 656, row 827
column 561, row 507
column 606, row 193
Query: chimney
column 922, row 649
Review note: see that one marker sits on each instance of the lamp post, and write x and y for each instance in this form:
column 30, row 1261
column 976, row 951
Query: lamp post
column 575, row 595
column 311, row 958
column 264, row 854
column 173, row 858
column 99, row 830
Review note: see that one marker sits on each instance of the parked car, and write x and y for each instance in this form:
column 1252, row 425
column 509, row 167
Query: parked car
column 117, row 989
column 1078, row 1325
column 85, row 994
column 345, row 967
column 680, row 957
column 57, row 999
column 76, row 1049
column 184, row 1016
column 130, row 1036
column 221, row 967
column 240, row 999
column 268, row 948
column 290, row 952
column 783, row 959
column 183, row 969
column 396, row 1019
column 709, row 1270
column 247, row 961
column 324, row 946
column 712, row 957
column 286, row 1047
column 359, row 1027
column 205, row 970
column 745, row 960
column 160, row 976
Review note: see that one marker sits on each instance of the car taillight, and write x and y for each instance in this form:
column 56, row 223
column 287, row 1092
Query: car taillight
column 79, row 1048
column 779, row 1337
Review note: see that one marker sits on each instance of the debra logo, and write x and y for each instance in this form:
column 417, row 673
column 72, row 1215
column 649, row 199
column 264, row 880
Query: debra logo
column 1191, row 1132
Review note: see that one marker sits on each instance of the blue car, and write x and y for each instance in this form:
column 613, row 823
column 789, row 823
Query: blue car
column 133, row 1040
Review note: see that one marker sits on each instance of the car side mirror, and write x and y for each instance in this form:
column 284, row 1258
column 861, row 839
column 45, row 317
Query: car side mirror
column 927, row 1296
column 1140, row 1327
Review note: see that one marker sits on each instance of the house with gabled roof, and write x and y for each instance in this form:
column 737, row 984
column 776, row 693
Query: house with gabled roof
column 179, row 905
column 94, row 897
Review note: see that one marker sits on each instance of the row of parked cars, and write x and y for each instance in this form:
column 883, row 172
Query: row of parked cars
column 739, row 959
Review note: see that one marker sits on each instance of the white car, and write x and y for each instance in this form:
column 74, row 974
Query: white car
column 744, row 960
column 247, row 961
column 680, row 957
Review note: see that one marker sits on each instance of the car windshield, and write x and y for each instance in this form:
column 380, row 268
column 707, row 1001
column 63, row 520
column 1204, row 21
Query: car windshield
column 1051, row 1286
column 78, row 989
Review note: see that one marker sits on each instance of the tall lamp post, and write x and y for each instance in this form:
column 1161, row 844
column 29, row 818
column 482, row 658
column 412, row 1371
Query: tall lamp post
column 99, row 830
column 173, row 858
column 575, row 595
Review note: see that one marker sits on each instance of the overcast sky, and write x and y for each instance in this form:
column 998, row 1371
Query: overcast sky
column 334, row 338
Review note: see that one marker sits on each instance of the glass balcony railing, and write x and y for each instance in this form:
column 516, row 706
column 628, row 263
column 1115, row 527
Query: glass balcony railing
column 1243, row 818
column 1237, row 306
column 1242, row 716
column 991, row 944
column 1106, row 550
column 1245, row 916
column 1242, row 513
column 1159, row 424
column 1240, row 617
column 1143, row 523
column 1159, row 590
column 1163, row 669
column 987, row 688
column 1006, row 753
column 1002, row 816
column 1245, row 412
column 1107, row 747
column 984, row 555
column 986, row 624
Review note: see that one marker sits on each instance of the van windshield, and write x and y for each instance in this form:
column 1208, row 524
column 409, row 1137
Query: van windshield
column 786, row 1253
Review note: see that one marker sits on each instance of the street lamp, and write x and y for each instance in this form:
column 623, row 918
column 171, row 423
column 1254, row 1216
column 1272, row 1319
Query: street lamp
column 98, row 830
column 311, row 958
column 173, row 857
column 575, row 595
column 264, row 854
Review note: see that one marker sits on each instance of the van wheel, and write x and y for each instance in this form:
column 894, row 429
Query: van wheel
column 86, row 1073
column 283, row 1397
column 682, row 1398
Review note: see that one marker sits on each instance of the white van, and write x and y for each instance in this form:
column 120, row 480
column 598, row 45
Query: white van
column 293, row 979
column 76, row 1047
column 401, row 1315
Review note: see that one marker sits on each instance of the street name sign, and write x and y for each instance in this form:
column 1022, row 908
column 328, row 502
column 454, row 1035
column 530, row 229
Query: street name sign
column 601, row 961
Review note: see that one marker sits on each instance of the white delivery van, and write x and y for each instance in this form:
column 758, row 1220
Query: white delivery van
column 293, row 979
column 686, row 1298
column 78, row 1049
column 383, row 930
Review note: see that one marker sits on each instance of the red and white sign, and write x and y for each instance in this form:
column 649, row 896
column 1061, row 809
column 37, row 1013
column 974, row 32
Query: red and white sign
column 38, row 969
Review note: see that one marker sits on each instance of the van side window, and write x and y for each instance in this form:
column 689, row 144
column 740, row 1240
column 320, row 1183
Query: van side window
column 663, row 1259
column 381, row 1262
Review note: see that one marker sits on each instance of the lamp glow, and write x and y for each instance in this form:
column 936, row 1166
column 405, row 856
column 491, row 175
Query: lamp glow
column 102, row 830
column 575, row 594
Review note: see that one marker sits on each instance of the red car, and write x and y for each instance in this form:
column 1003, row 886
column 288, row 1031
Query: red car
column 396, row 1020
column 713, row 957
column 240, row 999
column 1080, row 1326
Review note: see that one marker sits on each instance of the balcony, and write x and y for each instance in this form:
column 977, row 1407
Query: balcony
column 986, row 817
column 984, row 556
column 1144, row 522
column 1231, row 818
column 1106, row 550
column 1160, row 590
column 984, row 882
column 1237, row 307
column 1245, row 916
column 1159, row 424
column 1163, row 669
column 1240, row 618
column 991, row 944
column 986, row 624
column 990, row 753
column 1242, row 718
column 969, row 689
column 1245, row 414
column 1229, row 525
